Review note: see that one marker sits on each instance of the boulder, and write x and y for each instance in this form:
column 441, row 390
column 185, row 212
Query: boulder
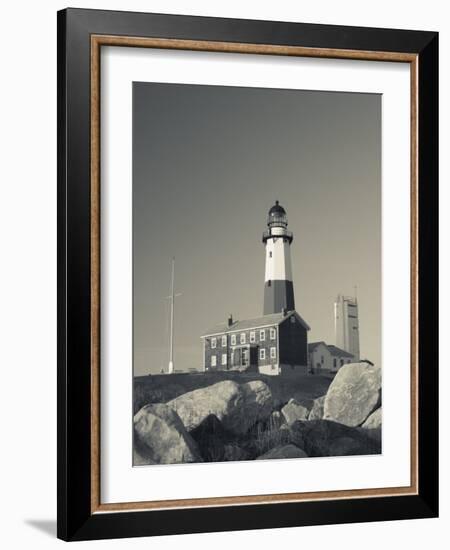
column 139, row 458
column 161, row 438
column 258, row 403
column 283, row 451
column 374, row 434
column 328, row 438
column 316, row 412
column 354, row 394
column 237, row 406
column 374, row 420
column 210, row 436
column 234, row 452
column 293, row 411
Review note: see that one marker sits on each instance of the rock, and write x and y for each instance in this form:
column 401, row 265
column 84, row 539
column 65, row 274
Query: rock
column 234, row 452
column 374, row 434
column 316, row 413
column 354, row 394
column 328, row 438
column 374, row 420
column 258, row 403
column 294, row 411
column 139, row 458
column 237, row 406
column 210, row 436
column 284, row 451
column 161, row 438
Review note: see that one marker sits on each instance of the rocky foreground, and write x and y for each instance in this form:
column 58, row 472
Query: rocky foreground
column 241, row 421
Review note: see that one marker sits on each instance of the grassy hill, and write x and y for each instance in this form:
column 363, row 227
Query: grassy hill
column 160, row 388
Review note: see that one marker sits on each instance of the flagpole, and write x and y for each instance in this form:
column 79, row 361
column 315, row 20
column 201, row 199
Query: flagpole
column 172, row 312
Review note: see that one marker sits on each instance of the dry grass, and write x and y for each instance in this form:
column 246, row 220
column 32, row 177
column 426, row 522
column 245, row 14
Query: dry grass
column 161, row 388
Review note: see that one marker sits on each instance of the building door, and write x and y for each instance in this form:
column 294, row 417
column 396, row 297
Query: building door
column 244, row 358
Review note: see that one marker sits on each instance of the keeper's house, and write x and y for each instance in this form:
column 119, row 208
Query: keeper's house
column 323, row 357
column 272, row 344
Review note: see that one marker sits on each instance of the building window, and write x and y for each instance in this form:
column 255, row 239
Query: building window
column 321, row 359
column 213, row 360
column 273, row 353
column 270, row 254
column 262, row 353
column 342, row 362
column 252, row 337
column 224, row 358
column 224, row 341
column 213, row 342
column 242, row 337
column 233, row 339
column 334, row 363
column 273, row 334
column 292, row 319
column 262, row 335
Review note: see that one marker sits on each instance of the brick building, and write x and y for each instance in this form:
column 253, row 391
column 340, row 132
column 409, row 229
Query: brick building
column 271, row 344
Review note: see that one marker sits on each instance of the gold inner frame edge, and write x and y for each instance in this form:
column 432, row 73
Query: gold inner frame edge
column 97, row 41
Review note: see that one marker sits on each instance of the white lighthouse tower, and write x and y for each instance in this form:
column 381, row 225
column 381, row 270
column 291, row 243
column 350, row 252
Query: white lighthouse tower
column 278, row 286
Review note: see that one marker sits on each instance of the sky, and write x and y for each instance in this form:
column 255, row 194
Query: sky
column 208, row 163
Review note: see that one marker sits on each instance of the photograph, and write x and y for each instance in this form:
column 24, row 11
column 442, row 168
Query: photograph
column 257, row 245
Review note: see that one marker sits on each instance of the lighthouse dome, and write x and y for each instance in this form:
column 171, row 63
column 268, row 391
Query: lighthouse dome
column 277, row 215
column 277, row 210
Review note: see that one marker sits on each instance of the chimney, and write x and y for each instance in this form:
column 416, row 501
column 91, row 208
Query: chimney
column 230, row 320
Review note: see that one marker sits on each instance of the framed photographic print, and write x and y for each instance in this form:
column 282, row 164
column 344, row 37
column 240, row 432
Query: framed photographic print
column 247, row 274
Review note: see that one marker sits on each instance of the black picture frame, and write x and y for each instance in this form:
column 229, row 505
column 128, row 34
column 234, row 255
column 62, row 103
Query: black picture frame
column 75, row 477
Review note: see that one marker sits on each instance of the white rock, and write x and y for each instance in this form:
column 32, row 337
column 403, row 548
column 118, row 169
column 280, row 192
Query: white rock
column 374, row 420
column 354, row 394
column 293, row 411
column 162, row 438
column 237, row 406
column 316, row 413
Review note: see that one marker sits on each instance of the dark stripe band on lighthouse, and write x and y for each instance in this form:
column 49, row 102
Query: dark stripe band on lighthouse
column 278, row 285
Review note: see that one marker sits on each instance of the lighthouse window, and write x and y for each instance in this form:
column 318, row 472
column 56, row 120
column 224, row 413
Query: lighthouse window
column 262, row 335
column 270, row 254
column 273, row 353
column 224, row 341
column 273, row 334
column 213, row 342
column 213, row 360
column 233, row 339
column 243, row 338
column 262, row 353
column 252, row 337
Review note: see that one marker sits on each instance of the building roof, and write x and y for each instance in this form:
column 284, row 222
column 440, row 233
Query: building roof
column 334, row 350
column 257, row 322
column 313, row 345
column 277, row 210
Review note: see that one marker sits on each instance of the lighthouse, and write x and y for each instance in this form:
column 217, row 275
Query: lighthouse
column 278, row 286
column 277, row 341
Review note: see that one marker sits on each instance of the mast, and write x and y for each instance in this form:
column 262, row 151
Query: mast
column 172, row 312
